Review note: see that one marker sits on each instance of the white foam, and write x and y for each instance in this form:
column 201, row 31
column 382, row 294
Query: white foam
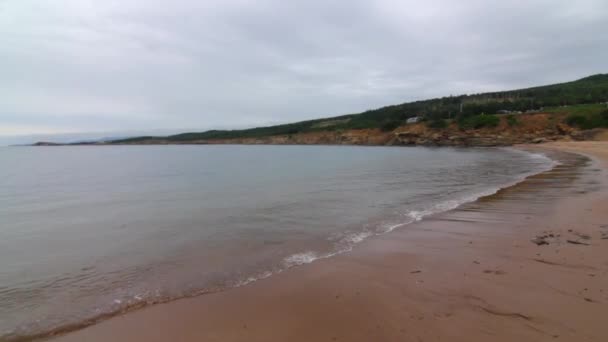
column 251, row 279
column 540, row 156
column 357, row 237
column 417, row 215
column 390, row 228
column 301, row 258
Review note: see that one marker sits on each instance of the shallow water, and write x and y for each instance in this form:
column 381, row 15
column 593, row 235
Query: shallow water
column 88, row 231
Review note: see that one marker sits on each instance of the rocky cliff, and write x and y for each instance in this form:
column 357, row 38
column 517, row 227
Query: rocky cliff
column 528, row 128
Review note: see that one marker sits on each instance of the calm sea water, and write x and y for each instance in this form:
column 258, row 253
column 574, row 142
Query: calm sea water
column 87, row 231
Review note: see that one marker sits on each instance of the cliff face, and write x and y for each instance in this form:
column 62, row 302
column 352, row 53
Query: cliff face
column 534, row 128
column 528, row 128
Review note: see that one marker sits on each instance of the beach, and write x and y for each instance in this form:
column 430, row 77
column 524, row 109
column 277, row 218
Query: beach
column 529, row 263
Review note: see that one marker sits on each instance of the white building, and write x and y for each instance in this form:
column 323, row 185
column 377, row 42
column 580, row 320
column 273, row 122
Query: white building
column 414, row 119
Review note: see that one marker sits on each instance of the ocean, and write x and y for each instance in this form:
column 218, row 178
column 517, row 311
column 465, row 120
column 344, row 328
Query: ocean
column 91, row 231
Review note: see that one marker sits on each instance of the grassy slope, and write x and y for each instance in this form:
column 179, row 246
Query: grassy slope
column 578, row 97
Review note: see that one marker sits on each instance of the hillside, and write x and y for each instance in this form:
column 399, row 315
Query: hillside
column 556, row 98
column 503, row 130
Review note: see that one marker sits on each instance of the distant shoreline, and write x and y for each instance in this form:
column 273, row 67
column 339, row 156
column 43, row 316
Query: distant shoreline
column 530, row 129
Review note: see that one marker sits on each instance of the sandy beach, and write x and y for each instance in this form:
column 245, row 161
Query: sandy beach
column 527, row 264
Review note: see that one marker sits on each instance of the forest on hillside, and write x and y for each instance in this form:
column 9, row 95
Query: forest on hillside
column 464, row 108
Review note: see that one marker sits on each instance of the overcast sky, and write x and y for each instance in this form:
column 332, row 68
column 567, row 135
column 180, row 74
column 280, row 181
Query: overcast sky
column 142, row 65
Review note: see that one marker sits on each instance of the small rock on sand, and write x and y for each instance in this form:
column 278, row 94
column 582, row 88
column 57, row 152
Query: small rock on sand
column 539, row 241
column 574, row 242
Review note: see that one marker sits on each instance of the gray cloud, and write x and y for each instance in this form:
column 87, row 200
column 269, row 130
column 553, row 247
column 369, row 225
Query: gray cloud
column 76, row 65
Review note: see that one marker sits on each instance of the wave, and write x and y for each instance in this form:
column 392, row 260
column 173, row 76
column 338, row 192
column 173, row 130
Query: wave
column 347, row 243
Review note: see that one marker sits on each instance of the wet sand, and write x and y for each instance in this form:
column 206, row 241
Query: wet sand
column 471, row 274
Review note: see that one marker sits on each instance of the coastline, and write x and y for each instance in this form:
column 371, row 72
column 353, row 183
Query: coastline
column 433, row 279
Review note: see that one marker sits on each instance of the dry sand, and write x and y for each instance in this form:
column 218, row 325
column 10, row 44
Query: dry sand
column 472, row 274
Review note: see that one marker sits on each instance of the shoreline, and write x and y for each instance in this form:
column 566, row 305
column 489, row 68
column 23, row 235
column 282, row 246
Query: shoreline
column 129, row 326
column 346, row 244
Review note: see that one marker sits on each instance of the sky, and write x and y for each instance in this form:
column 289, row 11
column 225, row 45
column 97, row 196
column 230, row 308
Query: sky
column 84, row 68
